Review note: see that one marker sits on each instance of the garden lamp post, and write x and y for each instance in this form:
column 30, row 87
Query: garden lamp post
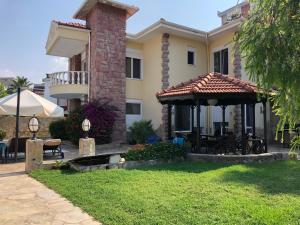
column 86, row 126
column 34, row 126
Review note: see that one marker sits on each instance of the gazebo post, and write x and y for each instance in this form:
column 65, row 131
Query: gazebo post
column 169, row 121
column 243, row 129
column 198, row 125
column 192, row 118
column 223, row 119
column 253, row 121
column 265, row 125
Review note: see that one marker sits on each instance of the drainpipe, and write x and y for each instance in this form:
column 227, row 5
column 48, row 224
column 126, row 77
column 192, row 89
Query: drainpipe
column 89, row 67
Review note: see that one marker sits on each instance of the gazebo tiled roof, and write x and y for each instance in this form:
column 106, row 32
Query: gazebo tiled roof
column 227, row 89
column 210, row 83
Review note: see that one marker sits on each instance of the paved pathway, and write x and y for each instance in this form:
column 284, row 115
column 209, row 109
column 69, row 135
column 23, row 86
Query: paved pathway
column 24, row 201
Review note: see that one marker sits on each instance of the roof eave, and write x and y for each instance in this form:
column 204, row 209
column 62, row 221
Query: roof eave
column 87, row 5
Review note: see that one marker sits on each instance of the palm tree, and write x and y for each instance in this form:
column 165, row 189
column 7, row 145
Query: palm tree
column 21, row 82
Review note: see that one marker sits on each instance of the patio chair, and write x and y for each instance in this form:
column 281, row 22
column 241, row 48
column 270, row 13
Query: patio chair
column 21, row 146
column 53, row 145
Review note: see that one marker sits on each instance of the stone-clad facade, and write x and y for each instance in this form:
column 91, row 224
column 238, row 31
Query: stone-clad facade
column 165, row 79
column 108, row 51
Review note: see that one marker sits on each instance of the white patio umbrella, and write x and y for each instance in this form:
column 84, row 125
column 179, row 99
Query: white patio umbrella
column 30, row 104
column 27, row 103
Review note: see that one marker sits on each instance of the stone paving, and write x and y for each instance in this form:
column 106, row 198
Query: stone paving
column 25, row 201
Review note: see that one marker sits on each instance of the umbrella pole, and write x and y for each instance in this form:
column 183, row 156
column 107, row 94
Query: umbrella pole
column 17, row 125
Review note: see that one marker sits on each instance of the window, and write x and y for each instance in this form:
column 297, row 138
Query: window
column 191, row 56
column 249, row 115
column 133, row 108
column 133, row 68
column 182, row 118
column 221, row 61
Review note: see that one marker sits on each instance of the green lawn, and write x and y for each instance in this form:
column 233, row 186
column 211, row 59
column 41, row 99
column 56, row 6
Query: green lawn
column 185, row 193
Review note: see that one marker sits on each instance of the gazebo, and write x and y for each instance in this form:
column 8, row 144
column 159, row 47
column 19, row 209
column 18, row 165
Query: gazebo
column 214, row 89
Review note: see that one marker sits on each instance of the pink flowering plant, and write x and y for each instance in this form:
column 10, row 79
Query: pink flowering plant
column 102, row 116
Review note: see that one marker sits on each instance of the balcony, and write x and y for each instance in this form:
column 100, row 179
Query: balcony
column 66, row 40
column 69, row 84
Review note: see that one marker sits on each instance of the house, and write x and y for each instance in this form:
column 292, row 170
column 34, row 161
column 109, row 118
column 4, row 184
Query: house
column 105, row 61
column 38, row 89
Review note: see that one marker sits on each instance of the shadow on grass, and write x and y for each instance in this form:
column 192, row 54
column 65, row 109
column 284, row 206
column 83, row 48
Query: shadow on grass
column 271, row 178
column 186, row 167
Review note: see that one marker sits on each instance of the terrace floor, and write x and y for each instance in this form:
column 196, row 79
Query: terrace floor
column 24, row 200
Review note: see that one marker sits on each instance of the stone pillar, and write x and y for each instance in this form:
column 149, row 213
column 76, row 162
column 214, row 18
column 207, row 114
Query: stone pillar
column 108, row 53
column 237, row 65
column 165, row 80
column 34, row 155
column 87, row 147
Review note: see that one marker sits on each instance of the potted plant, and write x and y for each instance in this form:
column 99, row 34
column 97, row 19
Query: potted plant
column 2, row 134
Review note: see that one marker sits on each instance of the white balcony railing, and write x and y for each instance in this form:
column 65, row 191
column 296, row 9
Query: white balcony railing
column 69, row 77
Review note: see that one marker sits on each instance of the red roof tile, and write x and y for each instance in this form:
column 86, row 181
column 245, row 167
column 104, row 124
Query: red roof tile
column 71, row 24
column 208, row 84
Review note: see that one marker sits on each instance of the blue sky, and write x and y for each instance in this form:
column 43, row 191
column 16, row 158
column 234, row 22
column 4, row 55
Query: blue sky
column 25, row 25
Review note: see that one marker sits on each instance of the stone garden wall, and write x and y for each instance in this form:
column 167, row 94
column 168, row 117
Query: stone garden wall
column 237, row 159
column 8, row 124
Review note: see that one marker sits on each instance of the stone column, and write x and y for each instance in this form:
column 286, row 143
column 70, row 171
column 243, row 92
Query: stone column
column 165, row 80
column 237, row 65
column 87, row 147
column 34, row 155
column 108, row 53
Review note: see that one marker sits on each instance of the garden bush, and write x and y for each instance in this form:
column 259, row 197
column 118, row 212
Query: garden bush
column 2, row 134
column 57, row 129
column 140, row 131
column 102, row 116
column 156, row 151
column 73, row 125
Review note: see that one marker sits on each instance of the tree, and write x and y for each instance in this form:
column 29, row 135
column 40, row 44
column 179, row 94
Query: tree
column 269, row 41
column 3, row 91
column 21, row 82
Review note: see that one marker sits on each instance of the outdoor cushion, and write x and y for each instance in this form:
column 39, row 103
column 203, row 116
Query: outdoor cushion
column 52, row 142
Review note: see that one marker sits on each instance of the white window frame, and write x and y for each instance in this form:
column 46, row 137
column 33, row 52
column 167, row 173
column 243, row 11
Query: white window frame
column 190, row 49
column 218, row 49
column 135, row 101
column 133, row 53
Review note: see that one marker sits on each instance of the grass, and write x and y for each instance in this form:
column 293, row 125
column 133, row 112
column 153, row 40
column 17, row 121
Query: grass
column 185, row 193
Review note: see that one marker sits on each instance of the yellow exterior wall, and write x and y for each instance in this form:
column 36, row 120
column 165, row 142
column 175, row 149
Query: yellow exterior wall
column 180, row 70
column 221, row 42
column 146, row 88
column 152, row 81
column 134, row 88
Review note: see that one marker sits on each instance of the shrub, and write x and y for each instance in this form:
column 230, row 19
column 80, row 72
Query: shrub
column 73, row 125
column 2, row 134
column 156, row 151
column 102, row 116
column 293, row 155
column 57, row 129
column 140, row 131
